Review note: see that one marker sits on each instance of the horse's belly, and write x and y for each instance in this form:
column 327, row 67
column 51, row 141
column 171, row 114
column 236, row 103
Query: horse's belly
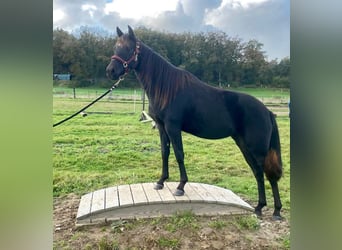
column 210, row 130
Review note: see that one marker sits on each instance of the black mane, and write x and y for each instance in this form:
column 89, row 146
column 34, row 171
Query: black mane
column 161, row 79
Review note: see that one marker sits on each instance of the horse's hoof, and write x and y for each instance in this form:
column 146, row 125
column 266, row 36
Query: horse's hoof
column 277, row 217
column 158, row 186
column 178, row 192
column 258, row 213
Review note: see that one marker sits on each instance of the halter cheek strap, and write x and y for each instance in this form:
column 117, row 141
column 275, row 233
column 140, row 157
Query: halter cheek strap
column 134, row 57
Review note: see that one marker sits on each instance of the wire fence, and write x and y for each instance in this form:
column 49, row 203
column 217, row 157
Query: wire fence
column 125, row 94
column 133, row 100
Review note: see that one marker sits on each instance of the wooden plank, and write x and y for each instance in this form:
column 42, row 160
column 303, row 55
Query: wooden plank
column 172, row 186
column 85, row 205
column 125, row 196
column 233, row 198
column 138, row 194
column 98, row 201
column 166, row 195
column 151, row 194
column 226, row 197
column 206, row 196
column 215, row 193
column 222, row 196
column 192, row 194
column 112, row 198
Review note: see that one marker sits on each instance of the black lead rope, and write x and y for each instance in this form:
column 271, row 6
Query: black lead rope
column 97, row 99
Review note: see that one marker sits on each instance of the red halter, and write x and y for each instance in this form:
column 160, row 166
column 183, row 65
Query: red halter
column 134, row 57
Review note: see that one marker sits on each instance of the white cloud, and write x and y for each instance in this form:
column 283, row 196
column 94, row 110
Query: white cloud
column 90, row 8
column 138, row 9
column 267, row 21
column 247, row 3
column 58, row 15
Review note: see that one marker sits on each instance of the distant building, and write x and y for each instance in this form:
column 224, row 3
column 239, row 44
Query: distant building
column 64, row 77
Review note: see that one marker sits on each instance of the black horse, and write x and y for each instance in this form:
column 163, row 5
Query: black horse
column 178, row 101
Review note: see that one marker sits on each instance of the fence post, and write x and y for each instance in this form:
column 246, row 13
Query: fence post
column 74, row 91
column 135, row 92
column 143, row 99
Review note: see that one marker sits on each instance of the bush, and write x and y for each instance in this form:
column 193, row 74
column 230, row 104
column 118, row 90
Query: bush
column 281, row 82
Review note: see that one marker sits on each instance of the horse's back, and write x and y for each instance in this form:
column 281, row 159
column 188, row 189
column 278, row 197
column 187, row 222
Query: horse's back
column 216, row 113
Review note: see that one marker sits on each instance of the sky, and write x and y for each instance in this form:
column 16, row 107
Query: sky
column 267, row 21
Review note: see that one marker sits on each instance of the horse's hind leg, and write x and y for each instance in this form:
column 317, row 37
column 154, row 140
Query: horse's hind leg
column 277, row 202
column 256, row 164
column 259, row 176
column 165, row 152
column 255, row 158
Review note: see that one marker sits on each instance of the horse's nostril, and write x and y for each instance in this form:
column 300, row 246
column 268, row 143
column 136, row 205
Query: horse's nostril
column 109, row 71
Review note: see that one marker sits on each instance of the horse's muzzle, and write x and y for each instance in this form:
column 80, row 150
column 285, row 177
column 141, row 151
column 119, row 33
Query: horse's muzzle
column 110, row 71
column 113, row 73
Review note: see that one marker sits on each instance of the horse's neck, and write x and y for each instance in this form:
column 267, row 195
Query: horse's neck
column 146, row 69
column 160, row 79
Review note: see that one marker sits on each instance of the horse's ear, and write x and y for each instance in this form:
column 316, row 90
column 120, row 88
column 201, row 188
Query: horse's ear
column 119, row 32
column 131, row 33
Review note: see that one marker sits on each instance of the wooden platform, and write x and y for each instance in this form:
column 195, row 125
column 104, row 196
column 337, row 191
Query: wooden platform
column 143, row 201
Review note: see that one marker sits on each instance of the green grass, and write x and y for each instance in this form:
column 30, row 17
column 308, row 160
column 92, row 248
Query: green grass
column 247, row 222
column 105, row 244
column 168, row 243
column 101, row 150
column 265, row 92
column 185, row 219
column 217, row 224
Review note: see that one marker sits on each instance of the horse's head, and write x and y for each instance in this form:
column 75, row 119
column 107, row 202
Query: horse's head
column 125, row 56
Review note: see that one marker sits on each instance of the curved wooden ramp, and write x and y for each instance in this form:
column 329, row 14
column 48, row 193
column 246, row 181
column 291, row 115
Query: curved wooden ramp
column 143, row 201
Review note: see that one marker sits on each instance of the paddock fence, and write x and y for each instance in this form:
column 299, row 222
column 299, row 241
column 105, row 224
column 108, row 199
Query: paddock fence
column 135, row 102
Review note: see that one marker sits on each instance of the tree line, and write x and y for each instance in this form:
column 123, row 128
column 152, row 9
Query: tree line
column 213, row 57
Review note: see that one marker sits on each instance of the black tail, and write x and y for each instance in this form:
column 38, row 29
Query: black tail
column 273, row 163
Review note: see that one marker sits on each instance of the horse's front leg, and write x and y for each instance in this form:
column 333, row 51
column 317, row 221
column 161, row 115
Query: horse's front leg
column 165, row 152
column 177, row 144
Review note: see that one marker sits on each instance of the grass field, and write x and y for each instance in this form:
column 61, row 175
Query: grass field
column 101, row 150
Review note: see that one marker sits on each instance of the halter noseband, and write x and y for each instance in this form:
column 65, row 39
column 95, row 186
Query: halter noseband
column 134, row 57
